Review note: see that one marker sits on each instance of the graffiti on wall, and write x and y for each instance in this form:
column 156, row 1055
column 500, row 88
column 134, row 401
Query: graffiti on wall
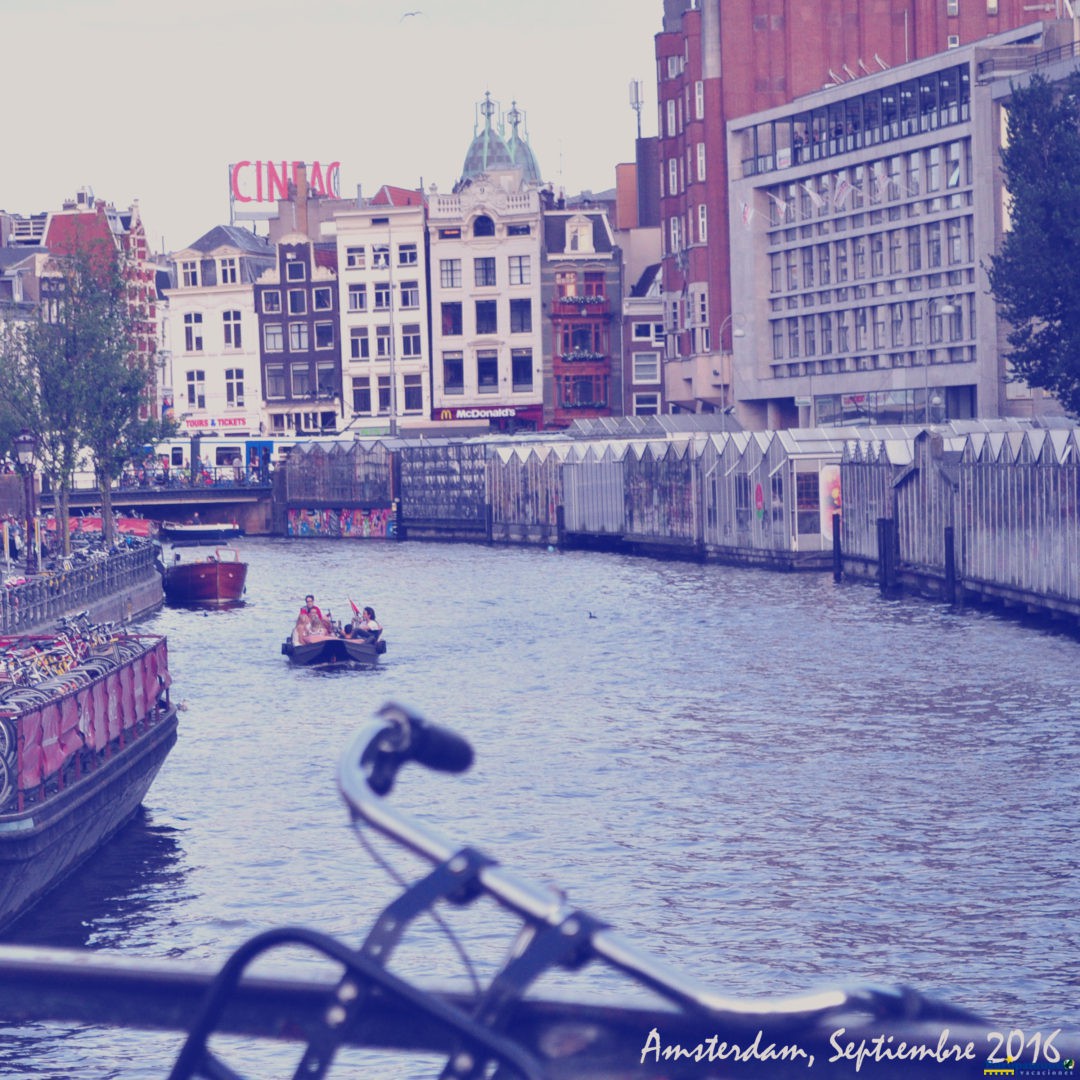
column 349, row 524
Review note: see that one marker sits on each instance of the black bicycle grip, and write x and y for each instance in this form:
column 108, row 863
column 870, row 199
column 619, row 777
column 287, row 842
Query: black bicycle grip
column 440, row 748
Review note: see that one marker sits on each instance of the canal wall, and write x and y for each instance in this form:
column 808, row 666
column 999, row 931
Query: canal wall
column 121, row 587
column 975, row 512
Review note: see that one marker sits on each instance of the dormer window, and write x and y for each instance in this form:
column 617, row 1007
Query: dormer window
column 189, row 272
column 579, row 235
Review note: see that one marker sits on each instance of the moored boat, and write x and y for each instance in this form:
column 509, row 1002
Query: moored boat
column 76, row 763
column 202, row 532
column 217, row 578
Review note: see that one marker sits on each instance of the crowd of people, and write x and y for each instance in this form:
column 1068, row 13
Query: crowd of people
column 312, row 625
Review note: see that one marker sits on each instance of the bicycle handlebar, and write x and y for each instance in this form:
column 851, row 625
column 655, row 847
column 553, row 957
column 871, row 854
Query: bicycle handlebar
column 367, row 772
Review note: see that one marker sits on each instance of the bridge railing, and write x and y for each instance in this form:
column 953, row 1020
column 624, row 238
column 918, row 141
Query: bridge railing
column 46, row 597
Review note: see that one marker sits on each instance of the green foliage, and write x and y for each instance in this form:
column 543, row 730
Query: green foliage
column 70, row 374
column 1031, row 278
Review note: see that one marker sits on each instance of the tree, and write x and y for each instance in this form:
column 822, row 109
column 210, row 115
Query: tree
column 70, row 372
column 1031, row 278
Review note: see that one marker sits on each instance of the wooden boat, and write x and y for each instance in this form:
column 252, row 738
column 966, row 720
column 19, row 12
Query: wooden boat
column 76, row 766
column 332, row 650
column 201, row 532
column 216, row 578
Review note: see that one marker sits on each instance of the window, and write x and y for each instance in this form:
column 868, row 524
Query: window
column 359, row 346
column 646, row 404
column 295, row 271
column 952, row 7
column 450, row 273
column 190, row 273
column 228, row 272
column 193, row 331
column 358, row 298
column 520, row 316
column 671, row 118
column 453, row 373
column 324, row 335
column 486, row 317
column 231, row 321
column 701, row 161
column 410, row 294
column 487, row 372
column 699, row 100
column 933, row 244
column 519, row 230
column 382, row 296
column 451, row 319
column 450, row 233
column 361, row 395
column 324, row 379
column 271, row 302
column 300, row 377
column 297, row 302
column 520, row 270
column 299, row 337
column 380, row 256
column 702, row 224
column 484, row 271
column 234, row 387
column 673, row 176
column 196, row 389
column 991, row 7
column 383, row 342
column 410, row 340
column 646, row 367
column 355, row 258
column 483, row 226
column 273, row 338
column 414, row 393
column 275, row 381
column 322, row 299
column 406, row 255
column 384, row 394
column 521, row 369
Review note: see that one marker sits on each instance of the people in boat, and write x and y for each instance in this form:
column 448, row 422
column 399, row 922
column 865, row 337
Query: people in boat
column 365, row 626
column 310, row 623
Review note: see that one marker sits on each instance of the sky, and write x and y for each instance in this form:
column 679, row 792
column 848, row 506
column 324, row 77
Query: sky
column 152, row 100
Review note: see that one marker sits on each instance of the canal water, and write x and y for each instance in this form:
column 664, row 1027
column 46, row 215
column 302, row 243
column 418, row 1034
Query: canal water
column 775, row 782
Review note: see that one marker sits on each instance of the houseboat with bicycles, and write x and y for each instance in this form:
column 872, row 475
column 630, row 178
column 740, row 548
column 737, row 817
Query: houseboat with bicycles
column 86, row 722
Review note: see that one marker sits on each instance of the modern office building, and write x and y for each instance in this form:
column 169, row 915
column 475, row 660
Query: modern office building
column 863, row 218
column 759, row 55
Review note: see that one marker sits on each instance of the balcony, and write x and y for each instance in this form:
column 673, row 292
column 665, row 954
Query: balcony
column 590, row 306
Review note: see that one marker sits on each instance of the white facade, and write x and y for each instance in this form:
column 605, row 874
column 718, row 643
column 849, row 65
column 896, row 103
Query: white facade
column 487, row 317
column 211, row 361
column 382, row 278
column 862, row 220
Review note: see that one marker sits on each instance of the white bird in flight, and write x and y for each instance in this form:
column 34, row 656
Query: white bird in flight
column 408, row 13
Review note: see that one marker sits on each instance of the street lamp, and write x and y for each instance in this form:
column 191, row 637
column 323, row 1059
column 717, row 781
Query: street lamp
column 25, row 448
column 737, row 331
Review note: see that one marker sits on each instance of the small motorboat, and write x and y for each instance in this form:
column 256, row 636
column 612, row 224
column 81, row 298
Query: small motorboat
column 332, row 650
column 201, row 532
column 217, row 578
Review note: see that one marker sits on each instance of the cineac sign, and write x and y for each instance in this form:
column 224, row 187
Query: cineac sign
column 268, row 181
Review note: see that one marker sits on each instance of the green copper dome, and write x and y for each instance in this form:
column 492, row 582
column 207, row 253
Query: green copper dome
column 490, row 152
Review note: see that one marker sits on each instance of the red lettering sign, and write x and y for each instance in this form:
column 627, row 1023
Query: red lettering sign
column 268, row 181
